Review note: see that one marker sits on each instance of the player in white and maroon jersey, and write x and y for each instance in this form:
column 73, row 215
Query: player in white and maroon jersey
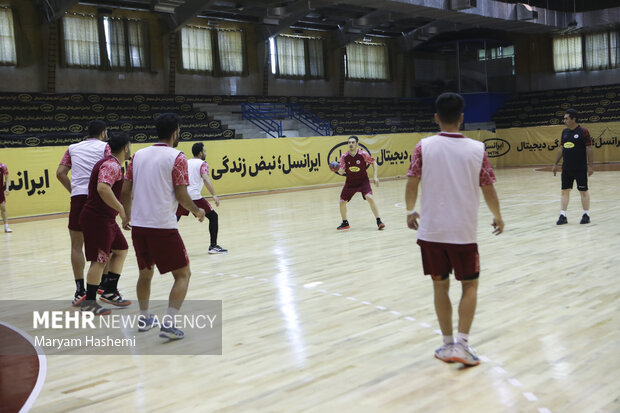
column 157, row 178
column 198, row 176
column 104, row 242
column 451, row 168
column 4, row 192
column 80, row 159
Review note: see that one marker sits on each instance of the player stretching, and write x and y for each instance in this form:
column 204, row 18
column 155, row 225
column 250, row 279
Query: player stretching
column 354, row 163
column 103, row 240
column 157, row 176
column 80, row 159
column 199, row 174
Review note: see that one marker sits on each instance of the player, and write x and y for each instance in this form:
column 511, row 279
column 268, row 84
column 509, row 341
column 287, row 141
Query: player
column 354, row 163
column 199, row 175
column 157, row 177
column 578, row 161
column 80, row 159
column 103, row 240
column 4, row 192
column 451, row 167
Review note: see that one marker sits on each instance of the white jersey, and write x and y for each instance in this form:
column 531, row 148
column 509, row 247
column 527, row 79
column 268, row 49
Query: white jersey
column 83, row 156
column 154, row 200
column 196, row 167
column 450, row 184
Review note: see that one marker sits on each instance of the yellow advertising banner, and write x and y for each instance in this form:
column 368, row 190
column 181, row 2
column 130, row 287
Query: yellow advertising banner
column 236, row 166
column 539, row 145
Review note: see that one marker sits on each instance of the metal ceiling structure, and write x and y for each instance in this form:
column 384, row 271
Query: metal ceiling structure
column 411, row 21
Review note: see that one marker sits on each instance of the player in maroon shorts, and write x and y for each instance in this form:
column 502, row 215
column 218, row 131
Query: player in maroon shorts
column 80, row 159
column 4, row 191
column 104, row 242
column 198, row 171
column 354, row 164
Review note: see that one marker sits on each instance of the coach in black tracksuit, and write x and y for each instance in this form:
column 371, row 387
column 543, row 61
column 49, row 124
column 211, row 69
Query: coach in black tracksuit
column 576, row 150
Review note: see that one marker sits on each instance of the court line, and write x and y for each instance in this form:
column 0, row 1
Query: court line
column 34, row 394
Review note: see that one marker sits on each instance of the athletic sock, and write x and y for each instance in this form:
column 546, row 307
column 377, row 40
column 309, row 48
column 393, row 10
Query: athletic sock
column 213, row 226
column 79, row 285
column 587, row 212
column 104, row 282
column 346, row 222
column 563, row 213
column 145, row 313
column 112, row 282
column 448, row 339
column 168, row 320
column 91, row 292
column 462, row 338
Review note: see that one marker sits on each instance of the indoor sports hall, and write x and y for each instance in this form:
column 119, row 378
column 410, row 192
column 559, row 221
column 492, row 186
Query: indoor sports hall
column 298, row 316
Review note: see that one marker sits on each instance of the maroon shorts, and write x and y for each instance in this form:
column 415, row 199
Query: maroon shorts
column 2, row 198
column 162, row 247
column 101, row 235
column 349, row 190
column 439, row 259
column 200, row 203
column 77, row 204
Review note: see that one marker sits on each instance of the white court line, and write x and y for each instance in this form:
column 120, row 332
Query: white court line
column 515, row 382
column 396, row 313
column 499, row 370
column 425, row 325
column 351, row 298
column 337, row 294
column 42, row 369
column 380, row 307
column 409, row 318
column 530, row 396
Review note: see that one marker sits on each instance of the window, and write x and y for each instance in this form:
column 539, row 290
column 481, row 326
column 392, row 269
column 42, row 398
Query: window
column 614, row 49
column 197, row 49
column 567, row 54
column 500, row 52
column 8, row 54
column 81, row 41
column 297, row 56
column 230, row 51
column 367, row 61
column 125, row 43
column 597, row 51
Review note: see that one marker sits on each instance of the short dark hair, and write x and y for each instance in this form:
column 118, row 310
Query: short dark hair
column 197, row 148
column 573, row 114
column 96, row 127
column 118, row 141
column 354, row 137
column 449, row 107
column 166, row 124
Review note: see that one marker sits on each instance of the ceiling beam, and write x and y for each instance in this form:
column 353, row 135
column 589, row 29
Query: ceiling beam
column 185, row 12
column 356, row 29
column 285, row 17
column 55, row 9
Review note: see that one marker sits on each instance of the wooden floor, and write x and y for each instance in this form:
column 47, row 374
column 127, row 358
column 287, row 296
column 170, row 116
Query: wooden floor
column 317, row 320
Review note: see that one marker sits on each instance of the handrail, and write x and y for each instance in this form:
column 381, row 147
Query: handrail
column 260, row 117
column 268, row 117
column 320, row 126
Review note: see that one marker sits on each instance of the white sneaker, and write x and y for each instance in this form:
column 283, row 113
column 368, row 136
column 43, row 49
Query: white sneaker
column 445, row 353
column 465, row 354
column 7, row 229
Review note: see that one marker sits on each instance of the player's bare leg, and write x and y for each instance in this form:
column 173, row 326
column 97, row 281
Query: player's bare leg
column 343, row 214
column 5, row 220
column 375, row 210
column 143, row 291
column 467, row 308
column 443, row 309
column 585, row 200
column 78, row 262
column 565, row 199
column 177, row 295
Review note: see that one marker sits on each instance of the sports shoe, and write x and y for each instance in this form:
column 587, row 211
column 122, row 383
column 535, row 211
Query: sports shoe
column 94, row 307
column 114, row 298
column 344, row 225
column 78, row 298
column 464, row 354
column 7, row 229
column 216, row 249
column 171, row 333
column 380, row 225
column 445, row 353
column 562, row 220
column 145, row 324
column 585, row 219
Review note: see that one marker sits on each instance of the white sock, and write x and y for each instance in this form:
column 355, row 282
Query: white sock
column 6, row 225
column 587, row 212
column 462, row 338
column 145, row 313
column 563, row 213
column 448, row 339
column 169, row 317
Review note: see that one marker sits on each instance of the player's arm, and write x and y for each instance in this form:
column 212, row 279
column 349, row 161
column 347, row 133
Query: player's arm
column 127, row 201
column 209, row 185
column 411, row 196
column 490, row 198
column 180, row 192
column 375, row 170
column 105, row 192
column 558, row 156
column 590, row 155
column 62, row 173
